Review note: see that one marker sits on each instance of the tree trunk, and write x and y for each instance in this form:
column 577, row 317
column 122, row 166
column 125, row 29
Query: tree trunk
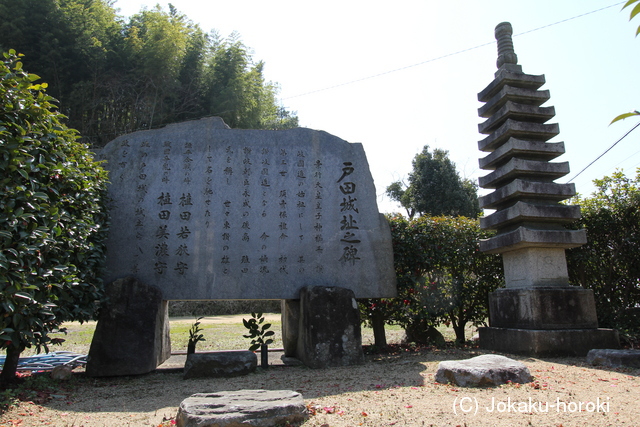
column 379, row 335
column 10, row 367
column 459, row 330
column 264, row 356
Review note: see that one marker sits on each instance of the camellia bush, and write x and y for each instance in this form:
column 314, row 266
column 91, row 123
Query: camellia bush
column 52, row 218
column 442, row 277
column 608, row 264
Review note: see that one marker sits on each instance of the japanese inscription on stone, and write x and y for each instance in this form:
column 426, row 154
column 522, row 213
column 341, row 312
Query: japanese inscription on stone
column 206, row 212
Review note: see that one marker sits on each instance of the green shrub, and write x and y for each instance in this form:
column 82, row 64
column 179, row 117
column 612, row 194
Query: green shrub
column 442, row 276
column 608, row 263
column 52, row 217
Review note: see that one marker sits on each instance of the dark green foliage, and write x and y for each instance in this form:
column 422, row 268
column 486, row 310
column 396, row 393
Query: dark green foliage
column 194, row 336
column 114, row 76
column 442, row 275
column 257, row 334
column 52, row 217
column 435, row 188
column 608, row 263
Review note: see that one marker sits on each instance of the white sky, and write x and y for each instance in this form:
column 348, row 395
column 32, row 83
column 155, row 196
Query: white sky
column 428, row 72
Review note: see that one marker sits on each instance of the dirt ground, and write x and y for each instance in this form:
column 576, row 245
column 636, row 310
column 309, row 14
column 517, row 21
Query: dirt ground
column 388, row 390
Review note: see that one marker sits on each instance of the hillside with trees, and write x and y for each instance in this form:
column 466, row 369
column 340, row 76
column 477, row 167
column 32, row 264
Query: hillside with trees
column 113, row 75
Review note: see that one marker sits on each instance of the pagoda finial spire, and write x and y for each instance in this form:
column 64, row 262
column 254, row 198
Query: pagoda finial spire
column 506, row 53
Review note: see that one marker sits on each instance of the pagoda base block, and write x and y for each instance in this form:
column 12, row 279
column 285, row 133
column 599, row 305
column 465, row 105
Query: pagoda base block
column 549, row 342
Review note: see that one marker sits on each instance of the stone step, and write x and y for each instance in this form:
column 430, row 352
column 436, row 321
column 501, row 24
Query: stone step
column 242, row 408
column 521, row 168
column 532, row 150
column 523, row 237
column 544, row 192
column 516, row 94
column 521, row 130
column 515, row 111
column 528, row 212
column 507, row 78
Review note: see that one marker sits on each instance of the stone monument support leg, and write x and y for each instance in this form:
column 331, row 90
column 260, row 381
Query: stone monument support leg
column 132, row 335
column 290, row 323
column 329, row 328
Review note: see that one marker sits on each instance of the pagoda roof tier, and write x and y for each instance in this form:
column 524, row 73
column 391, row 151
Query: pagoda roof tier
column 520, row 189
column 521, row 168
column 532, row 150
column 515, row 94
column 515, row 111
column 509, row 78
column 528, row 212
column 521, row 130
column 523, row 237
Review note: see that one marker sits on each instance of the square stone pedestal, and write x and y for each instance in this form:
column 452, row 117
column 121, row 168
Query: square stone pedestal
column 545, row 321
column 547, row 342
column 566, row 307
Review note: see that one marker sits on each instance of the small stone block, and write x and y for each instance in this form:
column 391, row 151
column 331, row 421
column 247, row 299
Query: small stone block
column 614, row 358
column 262, row 408
column 220, row 364
column 482, row 371
column 291, row 361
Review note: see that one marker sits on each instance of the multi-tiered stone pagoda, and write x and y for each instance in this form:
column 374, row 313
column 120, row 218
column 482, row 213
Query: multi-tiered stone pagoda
column 538, row 313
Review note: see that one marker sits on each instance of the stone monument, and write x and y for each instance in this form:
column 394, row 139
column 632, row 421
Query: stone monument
column 204, row 212
column 538, row 313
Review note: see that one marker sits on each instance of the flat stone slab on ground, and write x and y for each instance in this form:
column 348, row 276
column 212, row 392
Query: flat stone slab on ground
column 485, row 370
column 614, row 358
column 220, row 364
column 263, row 408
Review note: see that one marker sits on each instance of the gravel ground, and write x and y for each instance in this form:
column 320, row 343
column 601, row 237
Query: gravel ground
column 388, row 390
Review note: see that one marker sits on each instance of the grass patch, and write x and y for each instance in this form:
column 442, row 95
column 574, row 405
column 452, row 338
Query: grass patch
column 219, row 336
column 220, row 333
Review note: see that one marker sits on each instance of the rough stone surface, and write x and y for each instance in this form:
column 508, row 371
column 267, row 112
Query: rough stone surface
column 329, row 332
column 614, row 358
column 61, row 373
column 220, row 364
column 547, row 342
column 132, row 334
column 570, row 307
column 260, row 408
column 482, row 371
column 207, row 212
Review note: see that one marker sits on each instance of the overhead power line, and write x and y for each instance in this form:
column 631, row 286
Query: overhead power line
column 384, row 73
column 605, row 151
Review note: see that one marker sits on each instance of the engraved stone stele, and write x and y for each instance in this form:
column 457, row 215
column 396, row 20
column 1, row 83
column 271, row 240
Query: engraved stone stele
column 538, row 313
column 205, row 212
